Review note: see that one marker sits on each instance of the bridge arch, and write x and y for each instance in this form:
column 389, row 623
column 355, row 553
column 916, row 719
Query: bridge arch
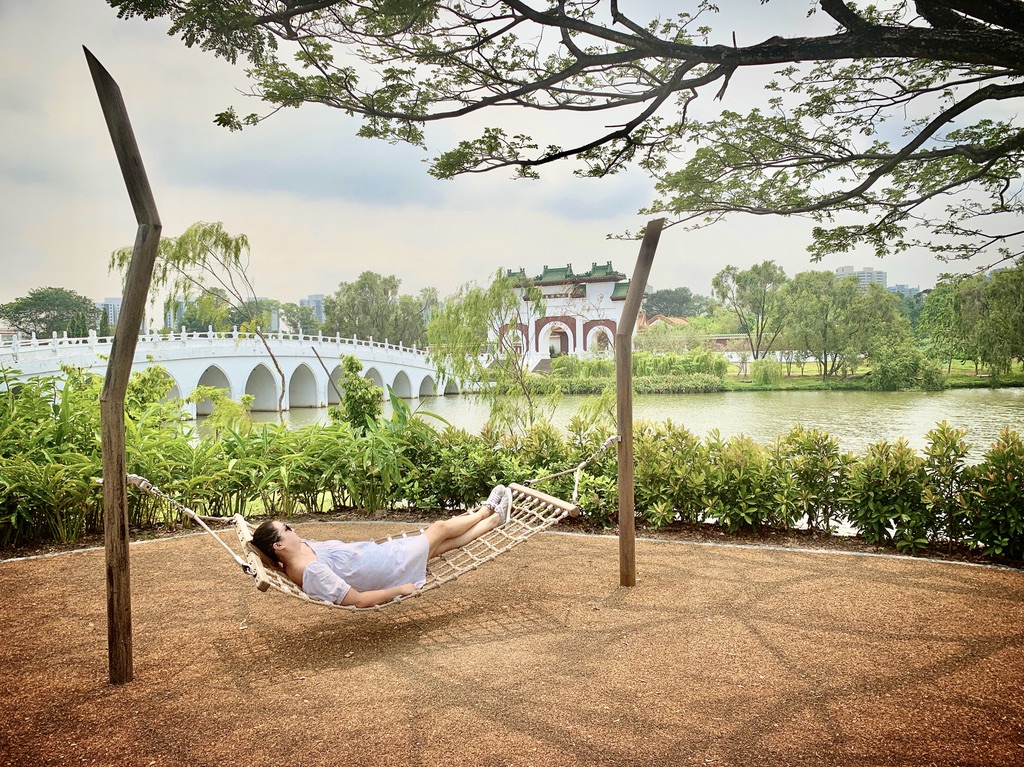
column 402, row 386
column 335, row 387
column 373, row 374
column 218, row 379
column 262, row 385
column 428, row 387
column 175, row 390
column 302, row 388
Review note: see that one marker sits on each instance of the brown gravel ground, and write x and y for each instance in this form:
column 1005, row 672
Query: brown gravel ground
column 721, row 655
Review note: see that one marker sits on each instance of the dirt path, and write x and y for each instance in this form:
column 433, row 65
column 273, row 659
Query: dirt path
column 720, row 656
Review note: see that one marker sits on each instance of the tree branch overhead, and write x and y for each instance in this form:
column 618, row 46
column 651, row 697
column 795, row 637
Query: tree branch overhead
column 866, row 106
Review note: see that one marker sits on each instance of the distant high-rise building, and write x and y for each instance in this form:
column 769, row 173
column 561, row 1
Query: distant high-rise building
column 864, row 275
column 112, row 308
column 904, row 290
column 316, row 303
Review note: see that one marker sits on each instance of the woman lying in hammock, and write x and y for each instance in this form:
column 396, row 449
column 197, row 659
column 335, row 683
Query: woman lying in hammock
column 365, row 573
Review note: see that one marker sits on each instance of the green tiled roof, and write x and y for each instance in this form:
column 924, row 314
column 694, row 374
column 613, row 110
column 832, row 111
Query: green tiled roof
column 556, row 275
column 619, row 293
column 604, row 271
column 561, row 274
column 518, row 277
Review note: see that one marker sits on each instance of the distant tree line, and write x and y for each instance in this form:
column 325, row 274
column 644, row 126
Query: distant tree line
column 815, row 315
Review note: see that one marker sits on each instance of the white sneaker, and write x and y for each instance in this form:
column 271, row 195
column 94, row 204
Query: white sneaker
column 500, row 500
column 495, row 497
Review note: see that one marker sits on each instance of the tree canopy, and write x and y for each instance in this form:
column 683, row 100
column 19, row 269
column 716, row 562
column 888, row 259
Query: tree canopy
column 896, row 127
column 755, row 296
column 52, row 310
column 371, row 307
column 675, row 302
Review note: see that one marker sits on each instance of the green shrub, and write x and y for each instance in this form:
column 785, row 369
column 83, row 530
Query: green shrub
column 361, row 403
column 692, row 383
column 997, row 512
column 741, row 484
column 671, row 474
column 933, row 376
column 948, row 485
column 598, row 500
column 886, row 496
column 820, row 472
column 895, row 367
column 704, row 361
column 766, row 372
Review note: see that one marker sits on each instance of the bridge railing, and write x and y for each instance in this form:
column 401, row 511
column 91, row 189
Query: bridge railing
column 14, row 341
column 15, row 347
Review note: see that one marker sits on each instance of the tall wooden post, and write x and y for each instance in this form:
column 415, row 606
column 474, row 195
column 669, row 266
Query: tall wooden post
column 119, row 368
column 624, row 400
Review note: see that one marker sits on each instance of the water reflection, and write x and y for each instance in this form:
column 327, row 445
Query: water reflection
column 856, row 419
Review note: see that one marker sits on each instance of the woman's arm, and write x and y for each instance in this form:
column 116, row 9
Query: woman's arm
column 377, row 596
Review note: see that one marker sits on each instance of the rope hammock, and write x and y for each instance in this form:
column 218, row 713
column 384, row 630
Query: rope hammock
column 531, row 512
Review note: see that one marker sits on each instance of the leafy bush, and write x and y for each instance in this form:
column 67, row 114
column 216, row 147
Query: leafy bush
column 700, row 360
column 571, row 366
column 820, row 472
column 933, row 376
column 895, row 366
column 740, row 484
column 671, row 474
column 886, row 496
column 766, row 372
column 949, row 479
column 361, row 398
column 997, row 512
column 693, row 383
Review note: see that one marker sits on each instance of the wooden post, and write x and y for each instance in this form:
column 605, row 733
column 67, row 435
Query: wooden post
column 119, row 368
column 624, row 400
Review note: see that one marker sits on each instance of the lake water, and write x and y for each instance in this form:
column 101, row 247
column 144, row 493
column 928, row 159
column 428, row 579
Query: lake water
column 857, row 419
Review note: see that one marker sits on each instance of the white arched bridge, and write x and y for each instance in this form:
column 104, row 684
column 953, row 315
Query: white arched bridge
column 240, row 364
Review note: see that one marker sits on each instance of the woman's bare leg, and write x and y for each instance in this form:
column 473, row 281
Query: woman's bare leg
column 452, row 533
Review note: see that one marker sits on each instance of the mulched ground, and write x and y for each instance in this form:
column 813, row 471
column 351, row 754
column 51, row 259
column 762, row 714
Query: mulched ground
column 721, row 655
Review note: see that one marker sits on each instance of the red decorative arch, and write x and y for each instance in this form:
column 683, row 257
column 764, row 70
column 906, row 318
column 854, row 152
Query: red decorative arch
column 565, row 319
column 523, row 329
column 591, row 324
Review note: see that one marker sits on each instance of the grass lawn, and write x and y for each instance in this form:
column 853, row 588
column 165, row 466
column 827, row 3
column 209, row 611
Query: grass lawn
column 961, row 376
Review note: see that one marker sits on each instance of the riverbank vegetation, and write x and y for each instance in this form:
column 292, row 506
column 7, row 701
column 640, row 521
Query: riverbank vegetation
column 412, row 464
column 820, row 324
column 816, row 331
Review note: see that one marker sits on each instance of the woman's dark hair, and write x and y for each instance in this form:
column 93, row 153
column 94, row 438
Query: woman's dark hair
column 264, row 537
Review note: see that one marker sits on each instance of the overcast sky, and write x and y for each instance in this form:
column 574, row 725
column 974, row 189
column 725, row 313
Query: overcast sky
column 319, row 205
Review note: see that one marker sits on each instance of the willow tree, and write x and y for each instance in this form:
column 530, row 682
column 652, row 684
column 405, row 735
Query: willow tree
column 476, row 340
column 207, row 265
column 894, row 125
